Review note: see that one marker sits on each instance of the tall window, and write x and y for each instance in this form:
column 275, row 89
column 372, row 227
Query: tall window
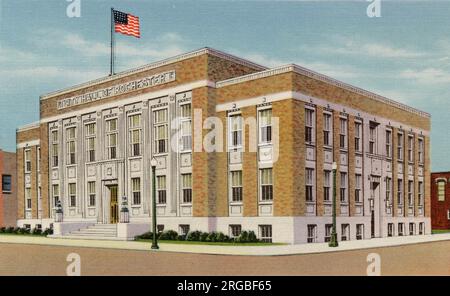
column 28, row 198
column 388, row 143
column 265, row 125
column 186, row 129
column 266, row 184
column 326, row 185
column 55, row 193
column 358, row 185
column 136, row 190
column 38, row 159
column 420, row 193
column 343, row 133
column 72, row 194
column 343, row 189
column 90, row 142
column 312, row 233
column 345, row 232
column 373, row 139
column 186, row 183
column 27, row 161
column 399, row 192
column 71, row 145
column 6, row 184
column 388, row 191
column 160, row 118
column 400, row 146
column 410, row 148
column 328, row 228
column 327, row 126
column 309, row 125
column 235, row 230
column 421, row 150
column 441, row 190
column 55, row 148
column 410, row 193
column 309, row 184
column 236, row 186
column 91, row 193
column 161, row 188
column 111, row 138
column 359, row 231
column 134, row 124
column 236, row 130
column 358, row 135
column 265, row 233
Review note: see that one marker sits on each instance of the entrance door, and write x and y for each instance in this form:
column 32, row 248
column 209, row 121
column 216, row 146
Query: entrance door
column 114, row 205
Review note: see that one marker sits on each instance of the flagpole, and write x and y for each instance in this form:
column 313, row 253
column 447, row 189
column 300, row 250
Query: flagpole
column 112, row 43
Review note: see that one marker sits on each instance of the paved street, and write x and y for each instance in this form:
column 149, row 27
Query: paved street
column 416, row 259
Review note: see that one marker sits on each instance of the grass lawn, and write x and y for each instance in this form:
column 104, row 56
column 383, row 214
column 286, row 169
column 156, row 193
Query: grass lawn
column 210, row 243
column 437, row 231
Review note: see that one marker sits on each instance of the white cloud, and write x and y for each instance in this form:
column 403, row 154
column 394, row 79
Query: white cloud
column 427, row 75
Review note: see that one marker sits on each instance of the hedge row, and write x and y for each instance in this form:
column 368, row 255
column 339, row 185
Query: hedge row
column 21, row 230
column 199, row 236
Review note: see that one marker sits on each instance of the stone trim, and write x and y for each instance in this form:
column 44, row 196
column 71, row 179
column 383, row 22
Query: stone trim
column 28, row 127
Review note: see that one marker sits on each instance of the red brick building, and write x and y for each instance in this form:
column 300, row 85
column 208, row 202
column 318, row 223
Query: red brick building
column 440, row 200
column 8, row 193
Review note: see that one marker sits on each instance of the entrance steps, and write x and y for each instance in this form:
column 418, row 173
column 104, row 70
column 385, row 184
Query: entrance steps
column 95, row 232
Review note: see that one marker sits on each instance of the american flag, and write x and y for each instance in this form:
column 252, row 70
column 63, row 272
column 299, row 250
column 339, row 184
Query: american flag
column 126, row 24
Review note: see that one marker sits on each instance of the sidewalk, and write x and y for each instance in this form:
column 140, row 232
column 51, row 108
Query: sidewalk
column 275, row 250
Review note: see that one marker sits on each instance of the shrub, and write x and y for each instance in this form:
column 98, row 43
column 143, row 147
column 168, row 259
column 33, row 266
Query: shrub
column 204, row 236
column 194, row 236
column 252, row 237
column 9, row 230
column 168, row 235
column 243, row 238
column 23, row 231
column 3, row 230
column 47, row 231
column 212, row 237
column 16, row 230
column 220, row 237
column 181, row 237
column 147, row 235
column 36, row 231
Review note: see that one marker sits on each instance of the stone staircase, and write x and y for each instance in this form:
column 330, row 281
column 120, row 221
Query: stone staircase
column 95, row 232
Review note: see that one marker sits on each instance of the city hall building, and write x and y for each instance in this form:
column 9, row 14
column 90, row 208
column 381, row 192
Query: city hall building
column 269, row 169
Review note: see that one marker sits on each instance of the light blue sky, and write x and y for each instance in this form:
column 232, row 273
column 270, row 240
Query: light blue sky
column 404, row 55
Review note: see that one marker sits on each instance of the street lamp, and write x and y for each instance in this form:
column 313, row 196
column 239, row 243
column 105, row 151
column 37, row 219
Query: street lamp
column 153, row 163
column 333, row 241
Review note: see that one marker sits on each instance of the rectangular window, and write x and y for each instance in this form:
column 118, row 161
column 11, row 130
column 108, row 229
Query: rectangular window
column 134, row 125
column 187, row 187
column 343, row 133
column 265, row 126
column 328, row 229
column 420, row 193
column 421, row 150
column 388, row 192
column 186, row 128
column 27, row 161
column 309, row 181
column 236, row 186
column 422, row 225
column 136, row 190
column 161, row 189
column 345, row 235
column 400, row 146
column 343, row 189
column 265, row 233
column 90, row 142
column 327, row 186
column 184, row 229
column 6, row 184
column 111, row 138
column 72, row 194
column 312, row 233
column 266, row 184
column 358, row 136
column 55, row 148
column 441, row 190
column 327, row 126
column 411, row 228
column 358, row 186
column 388, row 143
column 390, row 231
column 236, row 130
column 235, row 231
column 410, row 148
column 28, row 198
column 373, row 139
column 160, row 122
column 55, row 193
column 410, row 193
column 91, row 193
column 309, row 125
column 359, row 231
column 38, row 159
column 71, row 145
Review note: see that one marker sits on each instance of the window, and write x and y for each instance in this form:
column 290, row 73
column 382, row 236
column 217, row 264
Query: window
column 326, row 185
column 400, row 229
column 235, row 231
column 312, row 233
column 328, row 229
column 28, row 198
column 27, row 161
column 422, row 226
column 90, row 142
column 38, row 159
column 309, row 184
column 55, row 148
column 410, row 148
column 345, row 235
column 411, row 229
column 55, row 193
column 72, row 194
column 388, row 143
column 71, row 145
column 327, row 126
column 160, row 228
column 91, row 193
column 400, row 146
column 421, row 150
column 160, row 121
column 111, row 138
column 134, row 125
column 309, row 125
column 187, row 187
column 236, row 186
column 184, row 229
column 343, row 189
column 420, row 193
column 136, row 190
column 358, row 134
column 388, row 192
column 373, row 139
column 265, row 233
column 358, row 185
column 441, row 190
column 343, row 133
column 186, row 129
column 236, row 131
column 266, row 184
column 410, row 193
column 359, row 231
column 265, row 125
column 399, row 192
column 161, row 188
column 6, row 184
column 390, row 229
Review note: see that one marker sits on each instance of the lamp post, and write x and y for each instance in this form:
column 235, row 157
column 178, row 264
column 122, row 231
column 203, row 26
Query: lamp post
column 153, row 163
column 333, row 240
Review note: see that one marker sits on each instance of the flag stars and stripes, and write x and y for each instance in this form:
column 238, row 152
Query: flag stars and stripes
column 126, row 24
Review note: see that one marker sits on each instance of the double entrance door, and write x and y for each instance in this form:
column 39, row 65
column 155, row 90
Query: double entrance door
column 114, row 205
